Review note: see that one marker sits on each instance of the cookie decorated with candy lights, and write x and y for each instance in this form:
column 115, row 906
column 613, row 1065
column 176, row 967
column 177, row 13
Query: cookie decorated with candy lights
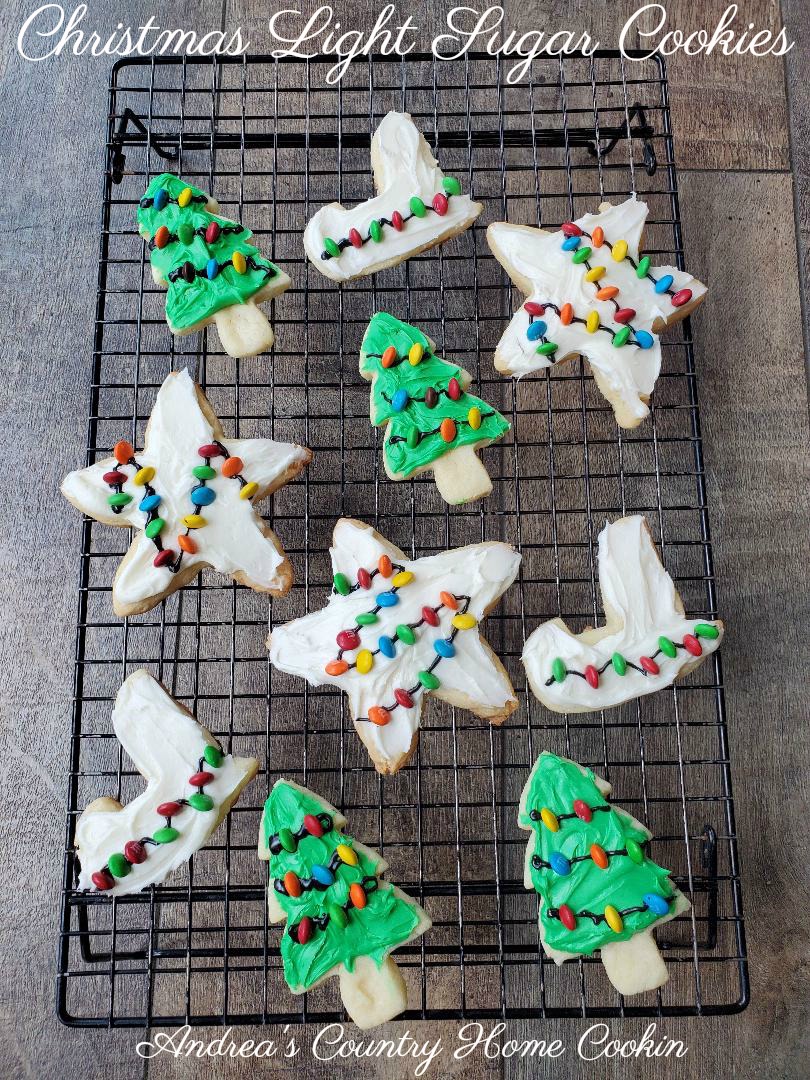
column 590, row 292
column 397, row 629
column 212, row 272
column 342, row 919
column 647, row 641
column 190, row 496
column 416, row 207
column 191, row 785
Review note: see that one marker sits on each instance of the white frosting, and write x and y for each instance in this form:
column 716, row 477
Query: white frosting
column 536, row 258
column 165, row 745
column 232, row 540
column 303, row 647
column 640, row 597
column 403, row 167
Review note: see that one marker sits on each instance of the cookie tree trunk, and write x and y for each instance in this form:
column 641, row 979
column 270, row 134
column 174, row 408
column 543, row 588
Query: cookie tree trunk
column 460, row 476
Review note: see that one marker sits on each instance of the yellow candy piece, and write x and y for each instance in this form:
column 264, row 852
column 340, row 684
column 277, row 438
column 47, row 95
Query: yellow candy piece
column 239, row 263
column 404, row 577
column 364, row 661
column 347, row 855
column 464, row 622
column 549, row 819
column 249, row 490
column 614, row 919
column 145, row 475
column 474, row 418
column 415, row 353
column 595, row 273
column 194, row 521
column 620, row 250
column 184, row 198
column 592, row 322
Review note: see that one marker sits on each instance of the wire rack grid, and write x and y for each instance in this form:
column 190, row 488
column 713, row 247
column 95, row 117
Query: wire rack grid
column 273, row 142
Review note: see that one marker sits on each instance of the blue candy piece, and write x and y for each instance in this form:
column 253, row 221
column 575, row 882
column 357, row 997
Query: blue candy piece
column 211, row 269
column 203, row 496
column 149, row 503
column 657, row 904
column 400, row 400
column 161, row 198
column 322, row 874
column 536, row 330
column 559, row 864
column 387, row 599
column 663, row 283
column 571, row 243
column 387, row 647
column 444, row 647
column 643, row 339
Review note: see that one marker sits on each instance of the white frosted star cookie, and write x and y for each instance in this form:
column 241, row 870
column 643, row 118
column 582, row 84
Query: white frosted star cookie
column 396, row 629
column 190, row 493
column 590, row 292
column 416, row 207
column 646, row 643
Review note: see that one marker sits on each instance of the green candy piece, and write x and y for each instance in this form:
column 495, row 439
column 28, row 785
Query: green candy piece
column 154, row 528
column 643, row 267
column 418, row 208
column 558, row 670
column 118, row 865
column 667, row 647
column 706, row 630
column 548, row 348
column 621, row 336
column 204, row 472
column 213, row 756
column 375, row 231
column 331, row 248
column 119, row 498
column 287, row 840
column 337, row 915
column 366, row 618
column 451, row 185
column 412, row 438
column 406, row 634
column 200, row 801
column 166, row 835
column 581, row 254
column 635, row 851
column 185, row 233
column 428, row 680
column 619, row 663
column 341, row 583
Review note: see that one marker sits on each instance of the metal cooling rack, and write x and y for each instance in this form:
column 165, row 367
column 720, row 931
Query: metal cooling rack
column 272, row 141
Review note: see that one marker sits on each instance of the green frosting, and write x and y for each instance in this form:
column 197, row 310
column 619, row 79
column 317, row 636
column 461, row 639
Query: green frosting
column 556, row 783
column 189, row 303
column 385, row 922
column 416, row 417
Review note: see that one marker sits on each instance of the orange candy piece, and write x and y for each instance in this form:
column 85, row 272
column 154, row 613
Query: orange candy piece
column 336, row 667
column 447, row 429
column 607, row 293
column 598, row 236
column 385, row 566
column 123, row 451
column 449, row 600
column 389, row 356
column 599, row 856
column 232, row 466
column 379, row 715
column 292, row 884
column 566, row 314
column 185, row 543
column 357, row 895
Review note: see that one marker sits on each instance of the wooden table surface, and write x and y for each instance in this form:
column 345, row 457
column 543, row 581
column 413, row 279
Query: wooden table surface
column 742, row 131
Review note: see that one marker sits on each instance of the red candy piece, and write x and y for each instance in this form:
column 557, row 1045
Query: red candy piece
column 355, row 238
column 440, row 204
column 582, row 810
column 454, row 389
column 164, row 557
column 403, row 698
column 567, row 917
column 162, row 237
column 570, row 229
column 209, row 450
column 212, row 233
column 114, row 477
column 312, row 825
column 363, row 578
column 103, row 880
column 649, row 665
column 305, row 928
column 625, row 314
column 682, row 297
column 692, row 645
column 592, row 675
column 533, row 308
column 200, row 779
column 348, row 639
column 379, row 715
column 396, row 220
column 123, row 451
column 168, row 809
column 430, row 616
column 134, row 852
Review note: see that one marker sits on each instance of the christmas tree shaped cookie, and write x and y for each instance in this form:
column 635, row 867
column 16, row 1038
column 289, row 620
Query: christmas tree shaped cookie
column 191, row 493
column 433, row 423
column 191, row 786
column 598, row 886
column 341, row 918
column 212, row 272
column 396, row 629
column 591, row 293
column 646, row 643
column 416, row 207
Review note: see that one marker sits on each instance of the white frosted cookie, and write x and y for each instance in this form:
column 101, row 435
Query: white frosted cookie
column 590, row 292
column 416, row 207
column 646, row 643
column 396, row 629
column 191, row 786
column 190, row 492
